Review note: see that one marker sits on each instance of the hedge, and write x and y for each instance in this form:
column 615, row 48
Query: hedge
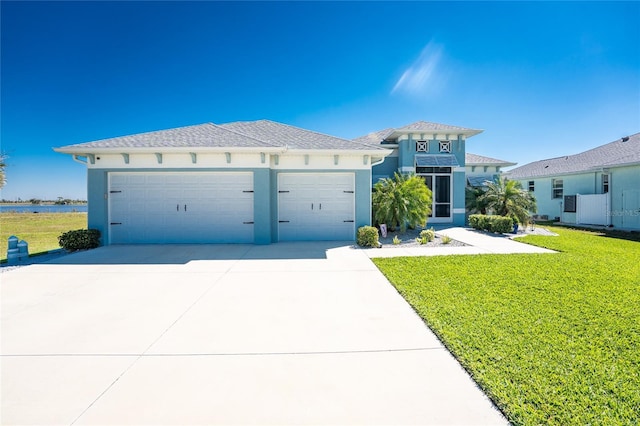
column 491, row 223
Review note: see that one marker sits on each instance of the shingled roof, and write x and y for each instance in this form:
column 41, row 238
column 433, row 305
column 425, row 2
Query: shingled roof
column 621, row 152
column 294, row 137
column 247, row 134
column 417, row 127
column 479, row 160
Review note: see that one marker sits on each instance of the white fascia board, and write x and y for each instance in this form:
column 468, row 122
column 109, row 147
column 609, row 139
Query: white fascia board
column 371, row 152
column 168, row 150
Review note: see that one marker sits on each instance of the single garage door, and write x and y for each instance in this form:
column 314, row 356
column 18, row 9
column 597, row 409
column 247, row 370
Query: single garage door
column 316, row 206
column 196, row 207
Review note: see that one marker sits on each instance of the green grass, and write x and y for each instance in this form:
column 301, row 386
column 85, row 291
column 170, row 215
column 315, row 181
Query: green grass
column 39, row 230
column 551, row 338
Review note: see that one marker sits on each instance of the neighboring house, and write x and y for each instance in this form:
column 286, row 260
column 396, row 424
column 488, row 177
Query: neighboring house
column 434, row 151
column 244, row 182
column 480, row 169
column 600, row 186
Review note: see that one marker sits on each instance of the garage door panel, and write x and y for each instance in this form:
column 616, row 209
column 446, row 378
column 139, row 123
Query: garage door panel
column 197, row 207
column 316, row 206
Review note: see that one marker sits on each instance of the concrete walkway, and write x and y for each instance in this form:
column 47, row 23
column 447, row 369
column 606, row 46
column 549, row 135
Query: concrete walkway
column 291, row 333
column 477, row 243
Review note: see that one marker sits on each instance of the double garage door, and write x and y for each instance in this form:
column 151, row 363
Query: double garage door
column 194, row 207
column 218, row 207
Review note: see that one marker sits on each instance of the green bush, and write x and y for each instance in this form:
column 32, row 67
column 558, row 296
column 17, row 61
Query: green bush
column 428, row 234
column 478, row 221
column 492, row 223
column 80, row 239
column 368, row 236
column 501, row 224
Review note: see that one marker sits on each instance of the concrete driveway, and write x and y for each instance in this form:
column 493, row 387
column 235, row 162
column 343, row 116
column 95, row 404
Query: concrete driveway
column 290, row 333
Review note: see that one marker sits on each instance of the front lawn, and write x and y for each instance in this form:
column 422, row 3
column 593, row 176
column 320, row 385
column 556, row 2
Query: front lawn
column 551, row 338
column 39, row 230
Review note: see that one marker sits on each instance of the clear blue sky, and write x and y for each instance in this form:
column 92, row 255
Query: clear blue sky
column 542, row 79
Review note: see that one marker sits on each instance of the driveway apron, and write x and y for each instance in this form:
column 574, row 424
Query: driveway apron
column 289, row 333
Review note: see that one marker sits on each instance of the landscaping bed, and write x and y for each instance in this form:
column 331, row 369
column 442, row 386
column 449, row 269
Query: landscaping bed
column 408, row 239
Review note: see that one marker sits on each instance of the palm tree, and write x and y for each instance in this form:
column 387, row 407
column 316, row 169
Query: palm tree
column 473, row 200
column 507, row 198
column 3, row 178
column 402, row 201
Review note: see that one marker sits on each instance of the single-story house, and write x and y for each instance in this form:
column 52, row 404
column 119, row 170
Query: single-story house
column 600, row 186
column 480, row 169
column 242, row 182
column 431, row 150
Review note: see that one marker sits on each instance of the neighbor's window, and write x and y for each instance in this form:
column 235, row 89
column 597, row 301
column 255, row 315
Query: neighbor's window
column 532, row 185
column 605, row 183
column 445, row 146
column 557, row 188
column 422, row 146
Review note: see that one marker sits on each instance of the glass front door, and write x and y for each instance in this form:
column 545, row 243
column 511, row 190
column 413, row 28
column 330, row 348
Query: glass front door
column 440, row 186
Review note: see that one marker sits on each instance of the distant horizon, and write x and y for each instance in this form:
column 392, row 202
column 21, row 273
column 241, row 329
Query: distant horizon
column 554, row 79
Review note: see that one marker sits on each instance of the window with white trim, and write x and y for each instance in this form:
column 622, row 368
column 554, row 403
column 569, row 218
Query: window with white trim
column 445, row 146
column 422, row 146
column 558, row 188
column 605, row 183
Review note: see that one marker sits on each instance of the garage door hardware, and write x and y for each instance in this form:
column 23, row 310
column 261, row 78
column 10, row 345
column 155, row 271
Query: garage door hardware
column 248, row 191
column 347, row 221
column 283, row 221
column 178, row 207
column 319, row 208
column 115, row 223
column 114, row 192
column 282, row 192
column 247, row 223
column 348, row 192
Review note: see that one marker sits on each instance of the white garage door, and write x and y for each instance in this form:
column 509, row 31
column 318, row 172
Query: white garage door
column 316, row 206
column 195, row 207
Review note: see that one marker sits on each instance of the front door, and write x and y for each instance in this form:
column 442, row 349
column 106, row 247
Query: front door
column 439, row 182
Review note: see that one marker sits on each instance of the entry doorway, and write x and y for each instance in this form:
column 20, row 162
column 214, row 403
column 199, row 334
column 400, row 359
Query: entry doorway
column 438, row 180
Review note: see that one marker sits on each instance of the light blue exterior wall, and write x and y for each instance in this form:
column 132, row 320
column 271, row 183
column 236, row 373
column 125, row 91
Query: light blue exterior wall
column 621, row 179
column 459, row 185
column 98, row 203
column 385, row 169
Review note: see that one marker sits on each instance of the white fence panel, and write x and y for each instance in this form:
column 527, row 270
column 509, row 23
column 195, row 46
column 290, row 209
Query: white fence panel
column 593, row 209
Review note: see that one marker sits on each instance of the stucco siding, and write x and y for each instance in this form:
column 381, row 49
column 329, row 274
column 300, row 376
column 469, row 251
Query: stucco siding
column 386, row 168
column 625, row 180
column 97, row 197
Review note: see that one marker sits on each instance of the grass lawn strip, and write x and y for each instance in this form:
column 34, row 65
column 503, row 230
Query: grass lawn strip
column 39, row 230
column 552, row 339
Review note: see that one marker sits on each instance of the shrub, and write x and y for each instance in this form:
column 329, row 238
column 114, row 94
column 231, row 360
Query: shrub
column 428, row 234
column 396, row 240
column 80, row 239
column 477, row 221
column 491, row 223
column 368, row 236
column 501, row 224
column 446, row 239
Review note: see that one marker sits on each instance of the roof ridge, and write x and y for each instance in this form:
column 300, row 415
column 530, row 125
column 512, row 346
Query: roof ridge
column 244, row 135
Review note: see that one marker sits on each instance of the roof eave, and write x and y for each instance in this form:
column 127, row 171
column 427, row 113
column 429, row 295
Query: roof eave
column 165, row 149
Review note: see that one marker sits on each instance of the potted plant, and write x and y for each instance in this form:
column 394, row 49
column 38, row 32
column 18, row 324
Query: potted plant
column 516, row 223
